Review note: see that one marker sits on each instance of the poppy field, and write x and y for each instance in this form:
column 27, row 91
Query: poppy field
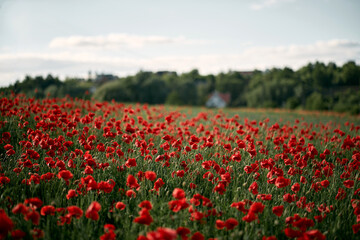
column 80, row 169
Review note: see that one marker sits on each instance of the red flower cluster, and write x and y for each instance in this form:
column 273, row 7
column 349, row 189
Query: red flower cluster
column 145, row 217
column 67, row 156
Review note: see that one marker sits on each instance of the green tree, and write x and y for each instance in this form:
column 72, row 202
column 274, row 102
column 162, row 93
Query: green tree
column 315, row 102
column 350, row 74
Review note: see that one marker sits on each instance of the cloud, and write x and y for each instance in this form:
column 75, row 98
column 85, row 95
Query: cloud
column 117, row 40
column 267, row 3
column 74, row 63
column 337, row 50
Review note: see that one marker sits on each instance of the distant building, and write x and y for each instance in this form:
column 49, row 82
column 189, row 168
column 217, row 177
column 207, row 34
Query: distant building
column 218, row 100
column 162, row 73
column 246, row 73
column 103, row 78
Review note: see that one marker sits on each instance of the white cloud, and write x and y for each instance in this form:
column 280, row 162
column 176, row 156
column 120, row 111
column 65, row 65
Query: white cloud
column 267, row 3
column 74, row 63
column 116, row 41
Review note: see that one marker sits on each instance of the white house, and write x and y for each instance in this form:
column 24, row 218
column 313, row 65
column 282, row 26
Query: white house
column 218, row 100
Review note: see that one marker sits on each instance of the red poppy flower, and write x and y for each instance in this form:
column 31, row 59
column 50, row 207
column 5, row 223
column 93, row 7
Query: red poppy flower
column 132, row 182
column 178, row 205
column 37, row 233
column 130, row 194
column 282, row 182
column 257, row 207
column 197, row 236
column 231, row 223
column 240, row 206
column 178, row 193
column 17, row 234
column 349, row 183
column 325, row 183
column 220, row 188
column 269, row 238
column 254, row 188
column 150, row 175
column 296, row 187
column 219, row 224
column 71, row 193
column 303, row 179
column 108, row 236
column 34, row 216
column 109, row 227
column 4, row 180
column 75, row 211
column 47, row 210
column 251, row 216
column 106, row 187
column 292, row 233
column 278, row 210
column 34, row 202
column 92, row 211
column 158, row 184
column 264, row 197
column 10, row 152
column 162, row 233
column 6, row 135
column 6, row 225
column 131, row 162
column 314, row 234
column 20, row 208
column 356, row 228
column 183, row 232
column 141, row 237
column 88, row 170
column 66, row 175
column 341, row 194
column 144, row 218
column 146, row 204
column 328, row 171
column 120, row 205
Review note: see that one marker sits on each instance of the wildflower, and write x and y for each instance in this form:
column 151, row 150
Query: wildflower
column 144, row 218
column 120, row 205
column 74, row 211
column 231, row 223
column 92, row 211
column 6, row 224
column 178, row 193
column 66, row 175
column 47, row 210
column 278, row 210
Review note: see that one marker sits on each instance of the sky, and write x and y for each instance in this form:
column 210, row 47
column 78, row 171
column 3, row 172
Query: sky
column 69, row 38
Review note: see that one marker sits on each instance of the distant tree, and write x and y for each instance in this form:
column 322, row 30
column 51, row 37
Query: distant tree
column 153, row 91
column 173, row 98
column 321, row 76
column 348, row 101
column 350, row 74
column 116, row 90
column 315, row 102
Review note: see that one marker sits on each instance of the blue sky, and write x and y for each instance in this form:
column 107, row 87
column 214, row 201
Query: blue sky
column 71, row 37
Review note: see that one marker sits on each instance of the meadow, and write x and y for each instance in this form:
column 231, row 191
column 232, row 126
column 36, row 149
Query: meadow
column 82, row 169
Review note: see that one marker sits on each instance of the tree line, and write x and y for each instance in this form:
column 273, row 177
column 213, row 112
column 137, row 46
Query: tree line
column 316, row 86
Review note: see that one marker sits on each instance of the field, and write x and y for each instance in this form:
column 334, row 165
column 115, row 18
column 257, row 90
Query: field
column 76, row 169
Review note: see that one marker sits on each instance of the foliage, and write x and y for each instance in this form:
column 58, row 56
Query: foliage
column 316, row 86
